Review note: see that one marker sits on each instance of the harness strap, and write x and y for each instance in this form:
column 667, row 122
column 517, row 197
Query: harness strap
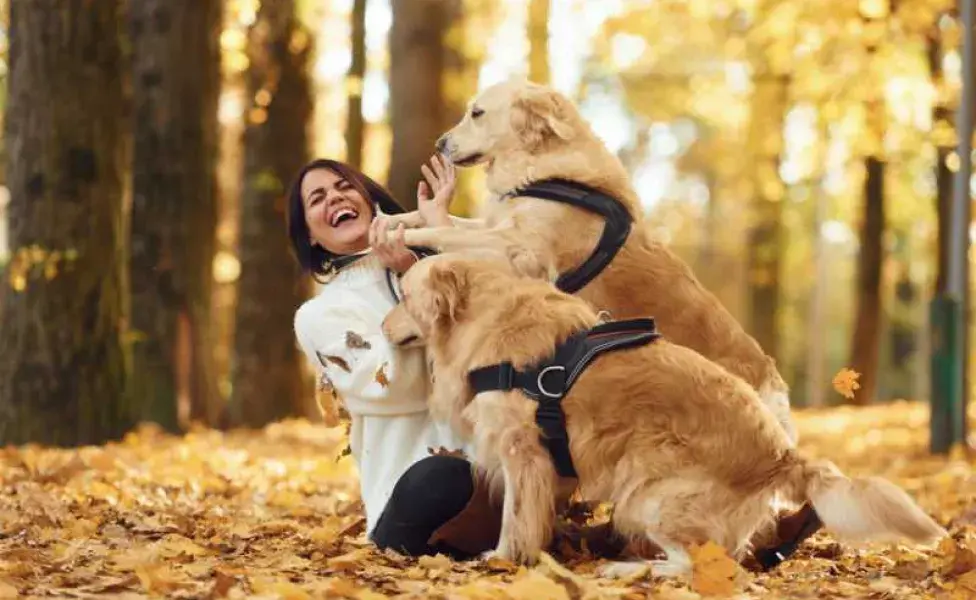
column 393, row 281
column 616, row 228
column 549, row 381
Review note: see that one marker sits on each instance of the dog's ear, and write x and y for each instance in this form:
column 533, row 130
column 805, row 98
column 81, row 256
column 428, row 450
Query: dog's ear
column 447, row 289
column 541, row 114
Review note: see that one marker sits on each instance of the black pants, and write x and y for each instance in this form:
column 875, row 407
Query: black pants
column 431, row 492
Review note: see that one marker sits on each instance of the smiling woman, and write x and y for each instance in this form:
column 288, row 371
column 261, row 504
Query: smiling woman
column 338, row 231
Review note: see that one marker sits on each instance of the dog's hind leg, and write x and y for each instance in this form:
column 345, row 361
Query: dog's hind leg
column 649, row 513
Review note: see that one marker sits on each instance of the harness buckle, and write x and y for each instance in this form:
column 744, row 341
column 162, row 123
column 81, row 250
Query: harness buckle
column 562, row 386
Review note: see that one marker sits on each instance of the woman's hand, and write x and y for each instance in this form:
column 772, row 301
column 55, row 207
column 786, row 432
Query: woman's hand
column 389, row 246
column 440, row 178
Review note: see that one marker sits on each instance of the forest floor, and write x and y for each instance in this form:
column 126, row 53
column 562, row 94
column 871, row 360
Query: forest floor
column 275, row 514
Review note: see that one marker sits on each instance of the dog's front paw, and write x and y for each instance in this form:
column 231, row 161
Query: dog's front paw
column 508, row 553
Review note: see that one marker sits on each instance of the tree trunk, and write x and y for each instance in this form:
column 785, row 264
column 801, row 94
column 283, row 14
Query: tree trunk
column 267, row 376
column 357, row 72
column 417, row 106
column 62, row 362
column 539, row 41
column 765, row 234
column 867, row 326
column 174, row 212
column 941, row 115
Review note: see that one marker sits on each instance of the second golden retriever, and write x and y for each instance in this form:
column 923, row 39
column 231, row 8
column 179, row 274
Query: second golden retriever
column 685, row 450
column 526, row 133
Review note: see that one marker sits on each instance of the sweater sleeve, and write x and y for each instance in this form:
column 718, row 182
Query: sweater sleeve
column 370, row 375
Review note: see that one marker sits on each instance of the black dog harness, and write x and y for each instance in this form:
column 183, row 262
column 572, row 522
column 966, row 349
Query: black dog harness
column 549, row 381
column 616, row 228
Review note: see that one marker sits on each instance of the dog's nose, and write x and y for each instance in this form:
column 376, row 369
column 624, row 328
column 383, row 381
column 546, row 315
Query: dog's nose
column 441, row 144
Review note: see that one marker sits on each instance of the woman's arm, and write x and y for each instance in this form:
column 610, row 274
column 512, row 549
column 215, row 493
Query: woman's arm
column 349, row 348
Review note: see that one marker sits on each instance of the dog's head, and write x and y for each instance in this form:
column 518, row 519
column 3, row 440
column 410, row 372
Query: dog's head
column 508, row 117
column 434, row 296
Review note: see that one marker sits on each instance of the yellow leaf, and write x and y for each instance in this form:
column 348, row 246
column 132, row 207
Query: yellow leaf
column 350, row 561
column 438, row 561
column 8, row 591
column 965, row 587
column 285, row 590
column 713, row 571
column 845, row 382
column 536, row 586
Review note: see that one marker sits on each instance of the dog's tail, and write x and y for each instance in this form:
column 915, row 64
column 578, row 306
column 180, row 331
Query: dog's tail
column 858, row 510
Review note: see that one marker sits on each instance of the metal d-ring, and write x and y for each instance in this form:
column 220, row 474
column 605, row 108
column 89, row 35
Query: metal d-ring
column 542, row 374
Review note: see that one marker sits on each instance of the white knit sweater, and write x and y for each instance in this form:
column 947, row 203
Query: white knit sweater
column 384, row 389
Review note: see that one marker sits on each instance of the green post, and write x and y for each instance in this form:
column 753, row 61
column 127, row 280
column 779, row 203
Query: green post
column 948, row 362
column 950, row 306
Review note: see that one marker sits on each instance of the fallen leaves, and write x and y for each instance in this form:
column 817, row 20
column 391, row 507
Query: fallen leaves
column 713, row 571
column 272, row 514
column 845, row 382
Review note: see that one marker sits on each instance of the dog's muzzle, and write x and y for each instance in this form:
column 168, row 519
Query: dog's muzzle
column 441, row 144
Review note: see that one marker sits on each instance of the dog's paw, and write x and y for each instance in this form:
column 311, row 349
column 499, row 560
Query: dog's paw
column 629, row 571
column 509, row 555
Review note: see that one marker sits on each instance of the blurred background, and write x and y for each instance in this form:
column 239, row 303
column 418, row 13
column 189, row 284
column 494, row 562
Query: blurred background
column 799, row 155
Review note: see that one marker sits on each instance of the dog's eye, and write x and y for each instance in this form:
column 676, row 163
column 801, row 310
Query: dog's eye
column 477, row 112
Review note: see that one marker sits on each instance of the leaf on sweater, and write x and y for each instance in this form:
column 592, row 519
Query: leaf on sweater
column 335, row 360
column 442, row 451
column 354, row 341
column 381, row 377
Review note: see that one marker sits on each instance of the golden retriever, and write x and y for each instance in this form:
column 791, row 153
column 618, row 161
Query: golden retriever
column 685, row 450
column 526, row 133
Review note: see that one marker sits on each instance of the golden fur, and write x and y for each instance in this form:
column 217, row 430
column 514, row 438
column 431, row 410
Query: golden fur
column 528, row 133
column 685, row 450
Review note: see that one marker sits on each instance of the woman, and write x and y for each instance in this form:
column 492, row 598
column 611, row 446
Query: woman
column 337, row 229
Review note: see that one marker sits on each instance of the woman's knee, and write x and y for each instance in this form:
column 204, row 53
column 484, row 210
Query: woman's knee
column 430, row 493
column 438, row 481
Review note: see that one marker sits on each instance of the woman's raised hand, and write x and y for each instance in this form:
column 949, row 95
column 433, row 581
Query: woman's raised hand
column 389, row 246
column 441, row 179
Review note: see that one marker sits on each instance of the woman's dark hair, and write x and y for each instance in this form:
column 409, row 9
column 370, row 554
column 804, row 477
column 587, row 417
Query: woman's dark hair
column 316, row 259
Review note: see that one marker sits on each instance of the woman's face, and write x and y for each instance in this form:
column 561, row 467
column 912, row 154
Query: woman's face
column 338, row 216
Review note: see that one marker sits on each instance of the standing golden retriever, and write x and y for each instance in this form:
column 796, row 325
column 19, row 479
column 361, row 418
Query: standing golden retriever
column 528, row 133
column 685, row 450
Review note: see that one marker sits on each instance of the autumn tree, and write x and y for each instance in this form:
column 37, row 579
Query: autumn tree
column 266, row 371
column 176, row 83
column 357, row 72
column 62, row 361
column 417, row 103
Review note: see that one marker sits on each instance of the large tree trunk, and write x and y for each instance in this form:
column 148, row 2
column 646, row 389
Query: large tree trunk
column 176, row 83
column 417, row 106
column 357, row 72
column 765, row 234
column 539, row 41
column 267, row 376
column 62, row 366
column 867, row 326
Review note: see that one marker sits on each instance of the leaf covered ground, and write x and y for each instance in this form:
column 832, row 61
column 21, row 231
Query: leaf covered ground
column 275, row 514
